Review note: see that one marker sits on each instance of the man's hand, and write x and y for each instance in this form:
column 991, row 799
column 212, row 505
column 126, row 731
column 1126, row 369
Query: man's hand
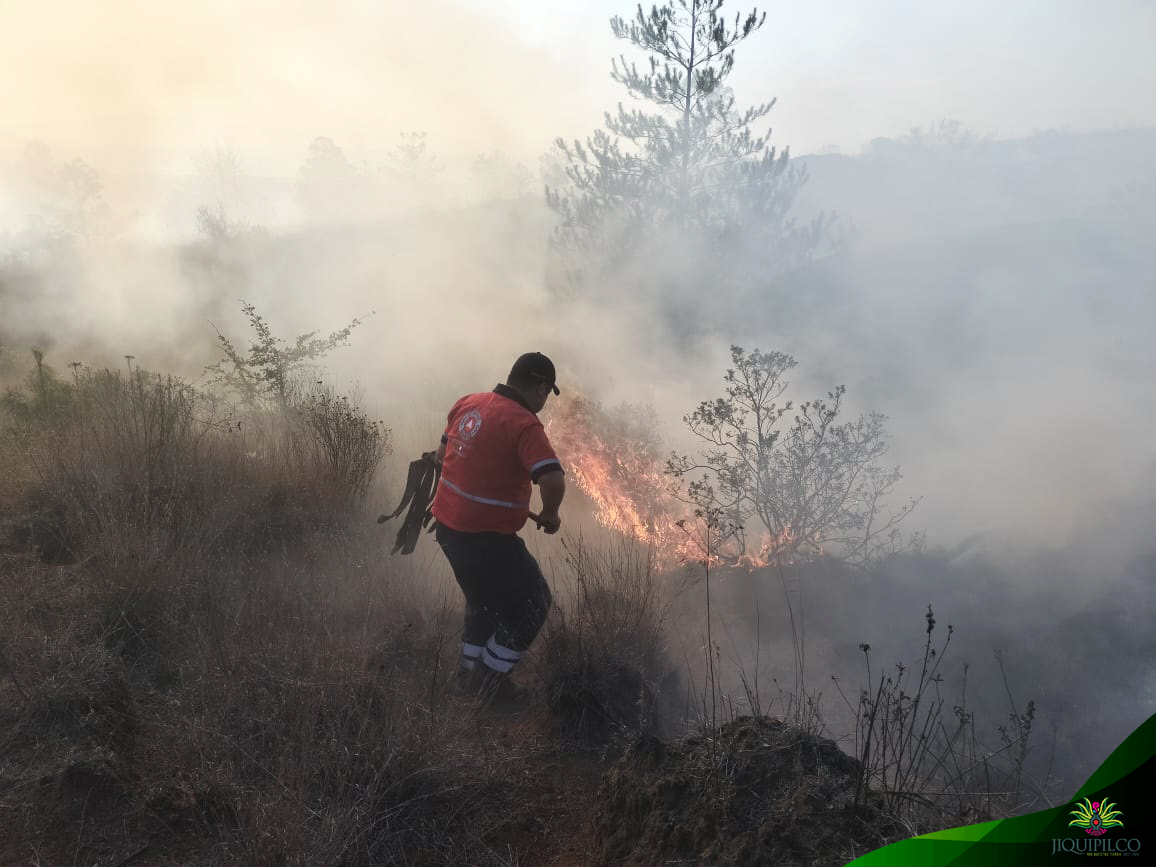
column 550, row 522
column 552, row 487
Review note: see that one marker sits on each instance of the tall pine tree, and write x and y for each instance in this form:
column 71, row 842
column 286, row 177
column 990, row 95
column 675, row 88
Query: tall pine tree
column 687, row 176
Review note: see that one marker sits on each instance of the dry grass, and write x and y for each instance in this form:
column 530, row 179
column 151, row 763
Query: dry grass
column 237, row 724
column 206, row 657
column 144, row 466
column 603, row 666
column 199, row 643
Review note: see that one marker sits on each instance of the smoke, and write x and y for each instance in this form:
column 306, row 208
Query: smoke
column 995, row 299
column 134, row 86
column 998, row 322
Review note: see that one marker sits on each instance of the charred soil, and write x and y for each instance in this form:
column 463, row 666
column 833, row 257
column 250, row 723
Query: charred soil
column 756, row 791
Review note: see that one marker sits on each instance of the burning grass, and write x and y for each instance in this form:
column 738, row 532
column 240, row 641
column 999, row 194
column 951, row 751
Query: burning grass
column 207, row 658
column 614, row 456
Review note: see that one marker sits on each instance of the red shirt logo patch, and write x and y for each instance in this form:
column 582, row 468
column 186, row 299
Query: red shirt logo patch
column 470, row 424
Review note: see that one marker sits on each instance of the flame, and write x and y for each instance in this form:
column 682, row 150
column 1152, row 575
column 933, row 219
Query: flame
column 614, row 459
column 779, row 549
column 615, row 462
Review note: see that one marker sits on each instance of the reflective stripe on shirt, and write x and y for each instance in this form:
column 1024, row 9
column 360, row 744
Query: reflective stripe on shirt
column 483, row 500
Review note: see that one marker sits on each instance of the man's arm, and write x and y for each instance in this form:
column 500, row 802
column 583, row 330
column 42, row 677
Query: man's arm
column 552, row 488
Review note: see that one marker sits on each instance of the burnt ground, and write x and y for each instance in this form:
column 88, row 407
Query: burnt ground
column 756, row 792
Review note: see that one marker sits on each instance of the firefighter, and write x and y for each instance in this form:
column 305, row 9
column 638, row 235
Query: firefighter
column 493, row 450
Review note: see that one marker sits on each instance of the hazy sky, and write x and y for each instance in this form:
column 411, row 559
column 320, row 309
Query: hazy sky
column 129, row 84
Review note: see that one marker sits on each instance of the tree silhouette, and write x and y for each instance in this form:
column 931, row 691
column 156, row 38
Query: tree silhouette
column 816, row 484
column 689, row 172
column 327, row 182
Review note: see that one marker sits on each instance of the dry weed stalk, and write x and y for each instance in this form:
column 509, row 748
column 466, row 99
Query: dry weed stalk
column 920, row 766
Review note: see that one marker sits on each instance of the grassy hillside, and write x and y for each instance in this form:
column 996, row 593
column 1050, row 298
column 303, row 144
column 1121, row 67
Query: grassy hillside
column 207, row 658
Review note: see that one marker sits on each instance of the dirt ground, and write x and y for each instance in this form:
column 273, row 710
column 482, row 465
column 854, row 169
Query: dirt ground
column 757, row 792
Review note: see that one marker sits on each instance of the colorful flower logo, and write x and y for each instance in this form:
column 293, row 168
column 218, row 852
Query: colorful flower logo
column 1096, row 817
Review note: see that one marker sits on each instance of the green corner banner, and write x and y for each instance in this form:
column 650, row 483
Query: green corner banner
column 1116, row 810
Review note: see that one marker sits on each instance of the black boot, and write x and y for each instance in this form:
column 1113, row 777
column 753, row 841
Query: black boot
column 498, row 691
column 469, row 681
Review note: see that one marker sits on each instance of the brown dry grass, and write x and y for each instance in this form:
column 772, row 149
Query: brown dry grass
column 206, row 659
column 602, row 663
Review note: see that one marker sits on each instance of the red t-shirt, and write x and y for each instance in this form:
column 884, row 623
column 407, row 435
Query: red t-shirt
column 495, row 449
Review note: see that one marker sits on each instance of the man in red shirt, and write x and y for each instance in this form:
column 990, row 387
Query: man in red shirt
column 493, row 450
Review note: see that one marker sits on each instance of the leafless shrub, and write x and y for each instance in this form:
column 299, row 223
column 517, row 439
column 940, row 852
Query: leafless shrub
column 816, row 485
column 923, row 764
column 349, row 445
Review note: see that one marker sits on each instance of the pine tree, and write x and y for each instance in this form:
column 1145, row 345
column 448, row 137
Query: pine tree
column 689, row 171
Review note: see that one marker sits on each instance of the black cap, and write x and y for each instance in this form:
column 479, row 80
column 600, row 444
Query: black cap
column 534, row 366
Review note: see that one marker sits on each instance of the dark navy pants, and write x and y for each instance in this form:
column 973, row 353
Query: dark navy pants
column 507, row 598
